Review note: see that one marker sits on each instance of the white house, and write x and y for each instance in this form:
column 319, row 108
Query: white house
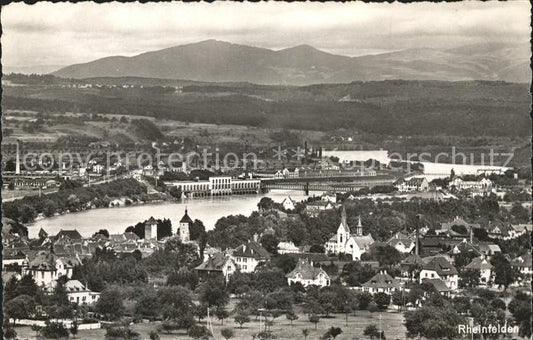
column 403, row 243
column 46, row 268
column 382, row 282
column 247, row 256
column 412, row 184
column 79, row 294
column 482, row 185
column 523, row 264
column 288, row 203
column 485, row 269
column 438, row 267
column 287, row 248
column 308, row 275
column 347, row 243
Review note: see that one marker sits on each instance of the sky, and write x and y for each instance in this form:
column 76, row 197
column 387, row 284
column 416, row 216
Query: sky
column 61, row 34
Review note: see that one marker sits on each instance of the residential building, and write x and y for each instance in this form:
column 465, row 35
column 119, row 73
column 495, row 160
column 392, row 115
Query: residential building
column 46, row 268
column 438, row 267
column 308, row 275
column 523, row 265
column 247, row 256
column 518, row 230
column 403, row 243
column 288, row 204
column 79, row 294
column 382, row 282
column 485, row 269
column 483, row 184
column 412, row 184
column 287, row 248
column 219, row 264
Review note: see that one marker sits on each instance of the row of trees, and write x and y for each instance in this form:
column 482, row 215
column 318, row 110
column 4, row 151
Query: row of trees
column 71, row 199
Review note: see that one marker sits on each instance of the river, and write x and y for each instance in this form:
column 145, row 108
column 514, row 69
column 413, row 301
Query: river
column 116, row 220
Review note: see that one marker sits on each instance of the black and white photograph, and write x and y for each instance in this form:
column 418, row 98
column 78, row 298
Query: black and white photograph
column 266, row 170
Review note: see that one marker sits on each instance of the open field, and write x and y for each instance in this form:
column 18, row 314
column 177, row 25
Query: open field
column 392, row 324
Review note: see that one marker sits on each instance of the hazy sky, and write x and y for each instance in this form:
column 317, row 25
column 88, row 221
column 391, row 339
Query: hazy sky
column 65, row 33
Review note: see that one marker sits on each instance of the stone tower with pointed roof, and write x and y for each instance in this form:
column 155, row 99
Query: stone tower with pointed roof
column 150, row 229
column 183, row 229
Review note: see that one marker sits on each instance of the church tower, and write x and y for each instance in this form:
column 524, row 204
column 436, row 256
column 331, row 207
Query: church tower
column 150, row 229
column 359, row 228
column 183, row 230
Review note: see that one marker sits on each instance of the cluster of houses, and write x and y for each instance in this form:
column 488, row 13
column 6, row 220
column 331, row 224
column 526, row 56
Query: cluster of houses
column 49, row 258
column 427, row 257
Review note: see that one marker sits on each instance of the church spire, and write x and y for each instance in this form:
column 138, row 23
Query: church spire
column 343, row 216
column 359, row 228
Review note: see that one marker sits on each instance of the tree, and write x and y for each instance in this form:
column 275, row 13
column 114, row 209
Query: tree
column 148, row 304
column 241, row 319
column 371, row 331
column 102, row 232
column 364, row 299
column 314, row 318
column 199, row 332
column 469, row 278
column 110, row 303
column 433, row 322
column 227, row 333
column 10, row 333
column 305, row 333
column 372, row 307
column 74, row 329
column 154, row 335
column 291, row 316
column 214, row 293
column 270, row 243
column 266, row 203
column 221, row 313
column 504, row 274
column 382, row 300
column 21, row 307
column 333, row 332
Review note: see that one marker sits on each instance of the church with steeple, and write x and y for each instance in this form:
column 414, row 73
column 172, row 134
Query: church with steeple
column 346, row 242
column 183, row 229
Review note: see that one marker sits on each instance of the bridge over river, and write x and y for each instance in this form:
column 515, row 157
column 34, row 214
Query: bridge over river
column 338, row 184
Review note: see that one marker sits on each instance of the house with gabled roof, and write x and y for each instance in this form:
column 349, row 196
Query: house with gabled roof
column 71, row 235
column 412, row 184
column 518, row 230
column 288, row 203
column 485, row 269
column 46, row 268
column 523, row 265
column 308, row 275
column 218, row 264
column 382, row 282
column 403, row 243
column 438, row 267
column 248, row 255
column 79, row 294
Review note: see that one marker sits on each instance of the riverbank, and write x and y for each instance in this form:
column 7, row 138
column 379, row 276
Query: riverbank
column 117, row 219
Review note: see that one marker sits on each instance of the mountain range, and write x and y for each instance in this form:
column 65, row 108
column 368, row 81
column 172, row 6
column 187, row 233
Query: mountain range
column 219, row 61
